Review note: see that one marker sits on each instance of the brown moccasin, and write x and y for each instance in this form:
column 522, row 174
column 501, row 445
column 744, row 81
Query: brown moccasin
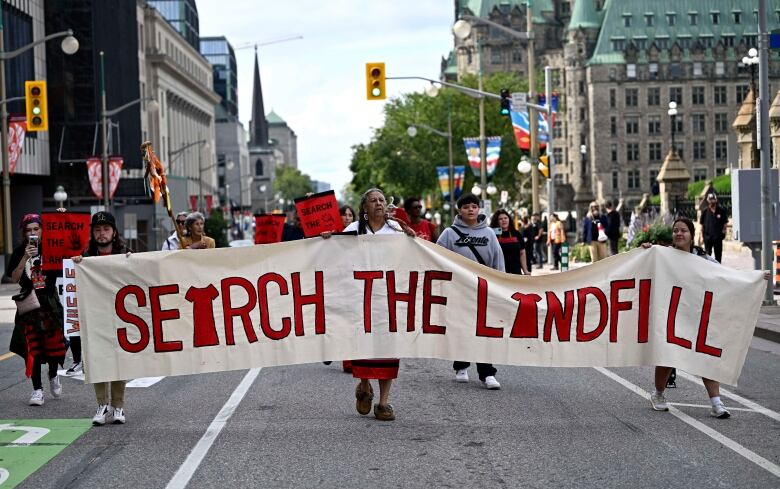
column 363, row 399
column 384, row 413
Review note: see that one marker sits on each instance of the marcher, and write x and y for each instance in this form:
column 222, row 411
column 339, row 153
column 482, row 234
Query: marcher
column 373, row 220
column 713, row 221
column 424, row 228
column 469, row 236
column 555, row 237
column 195, row 238
column 682, row 239
column 105, row 240
column 613, row 228
column 38, row 334
column 540, row 227
column 591, row 236
column 511, row 241
column 172, row 243
column 292, row 230
column 528, row 231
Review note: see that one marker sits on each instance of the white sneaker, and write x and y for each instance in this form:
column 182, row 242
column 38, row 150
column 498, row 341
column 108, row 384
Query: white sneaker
column 37, row 398
column 118, row 416
column 462, row 375
column 56, row 387
column 102, row 415
column 719, row 411
column 491, row 383
column 74, row 369
column 658, row 400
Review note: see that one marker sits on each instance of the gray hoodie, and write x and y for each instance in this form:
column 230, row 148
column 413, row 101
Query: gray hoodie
column 480, row 236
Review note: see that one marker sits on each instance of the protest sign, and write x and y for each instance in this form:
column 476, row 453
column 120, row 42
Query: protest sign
column 268, row 228
column 319, row 213
column 70, row 305
column 65, row 234
column 397, row 297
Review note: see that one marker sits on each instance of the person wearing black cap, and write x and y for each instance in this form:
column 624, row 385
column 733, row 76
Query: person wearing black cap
column 713, row 221
column 105, row 240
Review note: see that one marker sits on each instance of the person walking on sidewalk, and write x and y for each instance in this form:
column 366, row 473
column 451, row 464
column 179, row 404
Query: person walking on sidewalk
column 105, row 240
column 592, row 236
column 38, row 334
column 470, row 237
column 713, row 221
column 555, row 238
column 613, row 228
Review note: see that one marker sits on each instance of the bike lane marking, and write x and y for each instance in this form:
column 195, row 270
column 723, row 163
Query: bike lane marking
column 26, row 445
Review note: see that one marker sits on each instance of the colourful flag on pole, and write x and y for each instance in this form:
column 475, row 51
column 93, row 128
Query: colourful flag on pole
column 522, row 130
column 493, row 152
column 17, row 126
column 444, row 181
column 472, row 153
column 459, row 175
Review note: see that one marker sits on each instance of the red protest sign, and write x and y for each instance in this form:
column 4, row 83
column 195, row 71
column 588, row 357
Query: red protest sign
column 319, row 213
column 65, row 234
column 268, row 228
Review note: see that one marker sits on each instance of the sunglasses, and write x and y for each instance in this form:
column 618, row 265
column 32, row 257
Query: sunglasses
column 181, row 222
column 416, row 207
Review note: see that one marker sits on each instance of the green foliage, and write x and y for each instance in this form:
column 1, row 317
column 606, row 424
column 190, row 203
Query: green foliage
column 402, row 165
column 216, row 227
column 722, row 185
column 655, row 200
column 291, row 183
column 656, row 233
column 580, row 253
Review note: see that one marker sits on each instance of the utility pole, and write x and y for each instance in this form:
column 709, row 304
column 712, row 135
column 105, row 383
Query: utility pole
column 762, row 106
column 532, row 116
column 482, row 156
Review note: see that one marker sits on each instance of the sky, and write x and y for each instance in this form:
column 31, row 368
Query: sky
column 317, row 84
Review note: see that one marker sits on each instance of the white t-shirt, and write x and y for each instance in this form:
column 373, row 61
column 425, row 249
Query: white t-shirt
column 390, row 227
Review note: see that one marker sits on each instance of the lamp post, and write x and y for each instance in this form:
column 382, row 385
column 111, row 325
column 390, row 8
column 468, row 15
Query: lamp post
column 673, row 115
column 60, row 196
column 69, row 46
column 751, row 61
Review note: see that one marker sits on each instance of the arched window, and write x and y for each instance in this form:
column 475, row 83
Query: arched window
column 259, row 167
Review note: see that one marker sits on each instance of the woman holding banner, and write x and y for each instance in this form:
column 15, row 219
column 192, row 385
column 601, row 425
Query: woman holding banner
column 38, row 334
column 195, row 238
column 373, row 220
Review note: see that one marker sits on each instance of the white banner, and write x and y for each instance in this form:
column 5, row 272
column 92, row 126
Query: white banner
column 192, row 311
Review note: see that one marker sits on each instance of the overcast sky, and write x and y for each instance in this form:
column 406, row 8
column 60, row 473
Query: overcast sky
column 317, row 84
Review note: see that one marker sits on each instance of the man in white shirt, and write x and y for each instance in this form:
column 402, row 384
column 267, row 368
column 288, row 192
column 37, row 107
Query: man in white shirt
column 172, row 243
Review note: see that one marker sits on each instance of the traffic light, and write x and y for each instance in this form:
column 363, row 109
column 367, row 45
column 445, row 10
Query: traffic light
column 544, row 166
column 375, row 81
column 506, row 101
column 37, row 113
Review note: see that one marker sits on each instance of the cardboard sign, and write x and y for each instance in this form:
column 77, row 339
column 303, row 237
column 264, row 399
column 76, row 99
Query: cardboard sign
column 268, row 228
column 319, row 213
column 65, row 234
column 70, row 305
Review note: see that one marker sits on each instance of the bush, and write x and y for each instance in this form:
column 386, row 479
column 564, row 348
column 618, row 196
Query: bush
column 721, row 184
column 656, row 233
column 655, row 200
column 579, row 253
column 215, row 227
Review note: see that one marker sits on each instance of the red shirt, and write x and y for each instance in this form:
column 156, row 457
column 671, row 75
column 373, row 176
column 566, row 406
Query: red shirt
column 424, row 229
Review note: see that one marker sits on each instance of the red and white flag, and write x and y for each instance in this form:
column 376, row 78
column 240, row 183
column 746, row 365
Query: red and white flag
column 17, row 128
column 95, row 172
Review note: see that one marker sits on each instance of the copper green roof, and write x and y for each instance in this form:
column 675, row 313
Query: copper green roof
column 452, row 64
column 584, row 15
column 482, row 8
column 273, row 118
column 684, row 11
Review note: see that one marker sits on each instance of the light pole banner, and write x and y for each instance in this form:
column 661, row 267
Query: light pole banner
column 95, row 173
column 459, row 176
column 443, row 172
column 193, row 311
column 17, row 127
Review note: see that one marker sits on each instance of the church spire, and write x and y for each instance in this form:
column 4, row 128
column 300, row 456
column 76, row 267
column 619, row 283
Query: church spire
column 259, row 125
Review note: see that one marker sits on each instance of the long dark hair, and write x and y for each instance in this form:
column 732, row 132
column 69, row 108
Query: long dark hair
column 118, row 244
column 343, row 210
column 691, row 228
column 494, row 220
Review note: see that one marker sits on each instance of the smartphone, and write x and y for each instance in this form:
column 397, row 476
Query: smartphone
column 33, row 240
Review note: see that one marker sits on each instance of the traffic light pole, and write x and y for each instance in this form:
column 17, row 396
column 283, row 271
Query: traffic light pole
column 550, row 157
column 532, row 117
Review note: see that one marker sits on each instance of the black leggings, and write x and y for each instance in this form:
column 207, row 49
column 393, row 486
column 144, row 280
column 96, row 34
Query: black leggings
column 36, row 373
column 75, row 348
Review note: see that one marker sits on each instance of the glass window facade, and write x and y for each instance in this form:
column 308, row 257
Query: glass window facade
column 219, row 52
column 182, row 15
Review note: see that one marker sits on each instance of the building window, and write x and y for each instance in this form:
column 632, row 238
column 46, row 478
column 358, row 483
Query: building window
column 728, row 41
column 653, row 68
column 675, row 70
column 699, row 151
column 632, row 125
column 557, row 129
column 618, row 44
column 612, row 97
column 627, row 20
column 720, row 68
column 721, row 122
column 699, row 174
column 698, row 123
column 654, row 151
column 654, row 124
column 693, row 18
column 680, row 149
column 582, row 114
column 720, row 95
column 742, row 91
column 650, row 20
column 259, row 167
column 679, row 126
column 671, row 19
column 632, row 151
column 720, row 170
column 676, row 95
column 654, row 96
column 633, row 179
column 630, row 70
column 614, row 153
column 615, row 179
column 632, row 96
column 582, row 87
column 737, row 17
column 495, row 56
column 721, row 150
column 697, row 95
column 715, row 18
column 613, row 126
column 697, row 69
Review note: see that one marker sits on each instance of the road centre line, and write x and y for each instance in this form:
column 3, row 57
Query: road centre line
column 715, row 435
column 182, row 476
column 745, row 402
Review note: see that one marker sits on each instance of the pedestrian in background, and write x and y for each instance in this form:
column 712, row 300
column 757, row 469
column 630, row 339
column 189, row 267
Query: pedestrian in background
column 555, row 237
column 38, row 336
column 195, row 237
column 470, row 237
column 593, row 233
column 511, row 241
column 539, row 228
column 713, row 221
column 104, row 240
column 613, row 228
column 528, row 233
column 172, row 243
column 424, row 228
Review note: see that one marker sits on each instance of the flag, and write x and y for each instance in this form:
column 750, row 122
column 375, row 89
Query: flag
column 17, row 127
column 444, row 181
column 459, row 175
column 522, row 130
column 493, row 152
column 472, row 153
column 95, row 173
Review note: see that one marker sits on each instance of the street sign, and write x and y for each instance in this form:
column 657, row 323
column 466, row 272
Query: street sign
column 774, row 39
column 519, row 99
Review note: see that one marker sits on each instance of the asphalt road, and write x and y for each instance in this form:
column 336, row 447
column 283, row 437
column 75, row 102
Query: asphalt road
column 297, row 427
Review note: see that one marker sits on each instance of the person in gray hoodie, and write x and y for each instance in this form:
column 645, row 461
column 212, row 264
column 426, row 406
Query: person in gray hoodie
column 471, row 237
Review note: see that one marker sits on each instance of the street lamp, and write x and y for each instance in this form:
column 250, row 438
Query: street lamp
column 673, row 114
column 60, row 196
column 69, row 46
column 524, row 166
column 751, row 61
column 491, row 189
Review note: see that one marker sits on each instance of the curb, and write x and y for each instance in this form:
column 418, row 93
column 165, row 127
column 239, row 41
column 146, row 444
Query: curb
column 767, row 334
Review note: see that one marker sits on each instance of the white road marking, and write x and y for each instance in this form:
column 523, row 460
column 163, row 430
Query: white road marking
column 31, row 434
column 715, row 435
column 144, row 382
column 4, row 475
column 182, row 476
column 727, row 393
column 730, row 408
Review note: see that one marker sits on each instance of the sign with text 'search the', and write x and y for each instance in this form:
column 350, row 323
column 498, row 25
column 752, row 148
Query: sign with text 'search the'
column 319, row 213
column 268, row 228
column 391, row 296
column 70, row 304
column 65, row 234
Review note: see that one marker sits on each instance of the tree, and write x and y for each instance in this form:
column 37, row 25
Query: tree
column 291, row 183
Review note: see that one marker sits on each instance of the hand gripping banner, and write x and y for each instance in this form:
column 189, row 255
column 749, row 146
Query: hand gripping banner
column 193, row 311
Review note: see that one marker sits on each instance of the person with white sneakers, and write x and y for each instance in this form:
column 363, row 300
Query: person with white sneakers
column 105, row 240
column 471, row 237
